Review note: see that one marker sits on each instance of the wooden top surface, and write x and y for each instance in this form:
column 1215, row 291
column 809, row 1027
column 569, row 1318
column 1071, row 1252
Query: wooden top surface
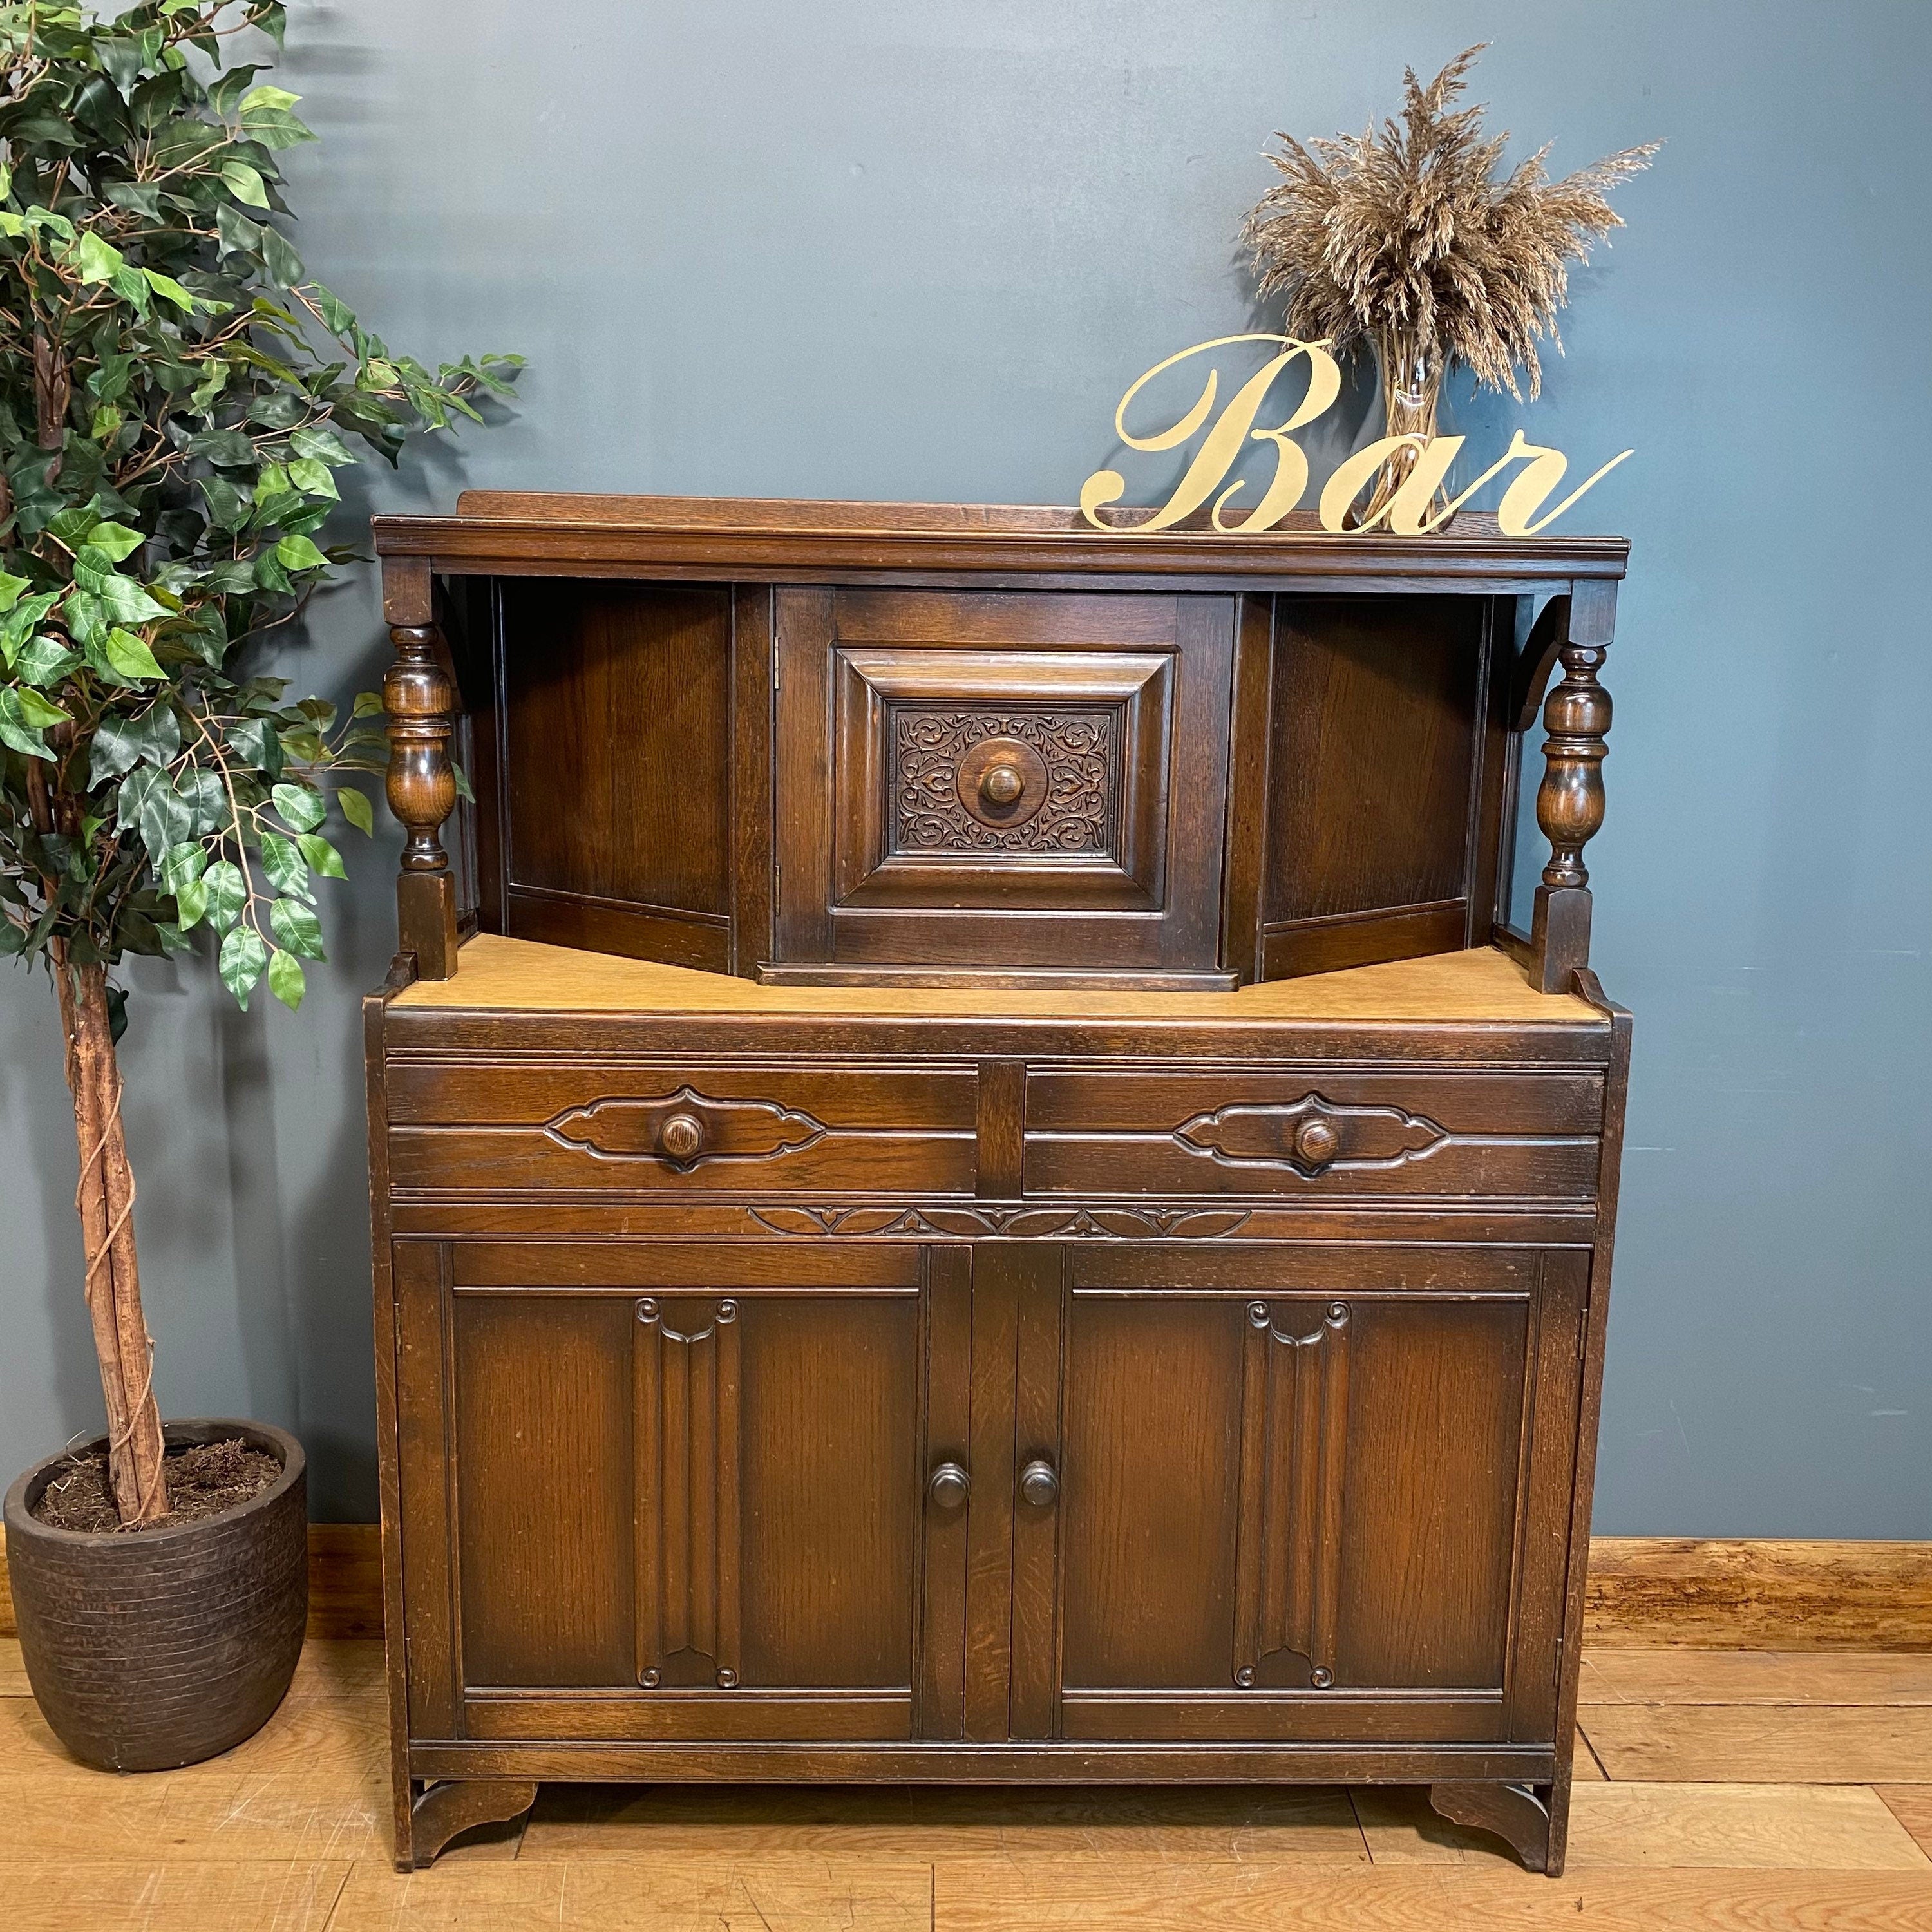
column 499, row 975
column 752, row 539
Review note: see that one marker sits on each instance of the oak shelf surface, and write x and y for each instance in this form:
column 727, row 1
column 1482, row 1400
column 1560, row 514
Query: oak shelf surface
column 500, row 974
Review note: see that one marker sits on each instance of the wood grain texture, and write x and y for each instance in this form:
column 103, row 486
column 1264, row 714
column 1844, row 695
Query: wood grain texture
column 1146, row 1897
column 522, row 534
column 1645, row 1593
column 1760, row 1594
column 504, row 975
column 685, row 1895
column 1680, row 1827
column 1911, row 1804
column 1762, row 1743
column 1082, row 1829
column 164, row 1894
column 1685, row 1676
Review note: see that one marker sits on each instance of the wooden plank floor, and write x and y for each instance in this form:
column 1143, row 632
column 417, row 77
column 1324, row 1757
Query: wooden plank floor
column 1722, row 1791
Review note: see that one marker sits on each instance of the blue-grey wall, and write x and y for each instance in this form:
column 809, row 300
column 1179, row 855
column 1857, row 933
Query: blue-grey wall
column 915, row 249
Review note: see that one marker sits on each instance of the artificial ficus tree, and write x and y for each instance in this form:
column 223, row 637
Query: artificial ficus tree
column 175, row 393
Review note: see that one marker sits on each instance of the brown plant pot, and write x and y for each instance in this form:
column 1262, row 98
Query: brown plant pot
column 157, row 1648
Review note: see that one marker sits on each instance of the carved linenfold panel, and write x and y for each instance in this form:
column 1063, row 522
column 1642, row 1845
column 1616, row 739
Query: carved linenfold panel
column 1057, row 1223
column 686, row 1372
column 1295, row 1420
column 684, row 1130
column 1311, row 1134
column 1064, row 778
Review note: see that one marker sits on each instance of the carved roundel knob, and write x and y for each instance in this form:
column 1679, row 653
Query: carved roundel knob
column 1001, row 784
column 681, row 1136
column 1316, row 1142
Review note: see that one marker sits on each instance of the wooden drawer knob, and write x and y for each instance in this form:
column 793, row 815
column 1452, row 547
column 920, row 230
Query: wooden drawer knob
column 1316, row 1142
column 1001, row 784
column 950, row 1486
column 681, row 1136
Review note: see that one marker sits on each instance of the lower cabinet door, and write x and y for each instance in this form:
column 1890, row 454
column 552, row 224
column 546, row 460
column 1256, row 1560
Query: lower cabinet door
column 1304, row 1495
column 664, row 1493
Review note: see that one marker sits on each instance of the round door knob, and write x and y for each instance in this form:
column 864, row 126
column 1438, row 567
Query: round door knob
column 1001, row 785
column 1316, row 1141
column 1039, row 1485
column 681, row 1136
column 950, row 1486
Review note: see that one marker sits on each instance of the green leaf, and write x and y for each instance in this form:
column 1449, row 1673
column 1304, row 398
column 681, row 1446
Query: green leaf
column 190, row 904
column 299, row 553
column 44, row 661
column 286, row 979
column 95, row 260
column 312, row 477
column 462, row 778
column 14, row 729
column 228, row 448
column 244, row 953
column 245, row 183
column 70, row 527
column 38, row 712
column 283, row 864
column 265, row 96
column 297, row 927
column 300, row 807
column 169, row 290
column 10, row 588
column 128, row 654
column 356, row 808
column 184, row 865
column 157, row 736
column 283, row 265
column 115, row 540
column 322, row 855
column 227, row 893
column 238, row 234
column 149, row 800
column 324, row 445
column 368, row 704
column 116, row 748
column 207, row 799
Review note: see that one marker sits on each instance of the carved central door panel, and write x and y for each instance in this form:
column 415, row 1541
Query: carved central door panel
column 690, row 1507
column 990, row 779
column 1291, row 1494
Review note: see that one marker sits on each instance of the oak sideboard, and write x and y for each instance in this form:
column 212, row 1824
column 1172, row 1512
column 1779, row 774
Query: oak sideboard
column 971, row 1181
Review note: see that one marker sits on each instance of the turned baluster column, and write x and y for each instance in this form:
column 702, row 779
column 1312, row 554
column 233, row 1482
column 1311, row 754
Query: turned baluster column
column 1570, row 809
column 420, row 701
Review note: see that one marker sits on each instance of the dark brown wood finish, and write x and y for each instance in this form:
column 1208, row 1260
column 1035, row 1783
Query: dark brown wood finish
column 832, row 1379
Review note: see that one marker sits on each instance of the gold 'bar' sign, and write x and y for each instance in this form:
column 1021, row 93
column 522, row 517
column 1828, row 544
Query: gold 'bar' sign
column 1419, row 505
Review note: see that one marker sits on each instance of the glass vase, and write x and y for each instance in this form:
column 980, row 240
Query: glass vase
column 1411, row 367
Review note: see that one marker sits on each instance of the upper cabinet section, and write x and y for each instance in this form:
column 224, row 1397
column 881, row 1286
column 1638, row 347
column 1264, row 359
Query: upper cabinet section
column 861, row 743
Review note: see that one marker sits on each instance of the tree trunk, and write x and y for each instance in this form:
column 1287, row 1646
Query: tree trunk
column 105, row 1201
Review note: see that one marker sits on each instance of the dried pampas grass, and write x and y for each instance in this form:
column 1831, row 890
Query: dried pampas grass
column 1408, row 232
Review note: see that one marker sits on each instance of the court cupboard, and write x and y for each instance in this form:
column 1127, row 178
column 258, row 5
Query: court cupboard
column 970, row 1183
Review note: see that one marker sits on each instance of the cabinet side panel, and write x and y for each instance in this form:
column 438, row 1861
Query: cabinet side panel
column 1151, row 1444
column 1375, row 745
column 544, row 1402
column 830, row 1484
column 1435, row 1432
column 617, row 739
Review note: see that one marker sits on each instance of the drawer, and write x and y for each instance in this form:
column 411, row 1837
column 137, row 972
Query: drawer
column 1514, row 1136
column 984, row 779
column 675, row 1127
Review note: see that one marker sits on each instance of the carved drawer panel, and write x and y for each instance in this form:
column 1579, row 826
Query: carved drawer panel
column 675, row 1127
column 958, row 776
column 1516, row 1136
